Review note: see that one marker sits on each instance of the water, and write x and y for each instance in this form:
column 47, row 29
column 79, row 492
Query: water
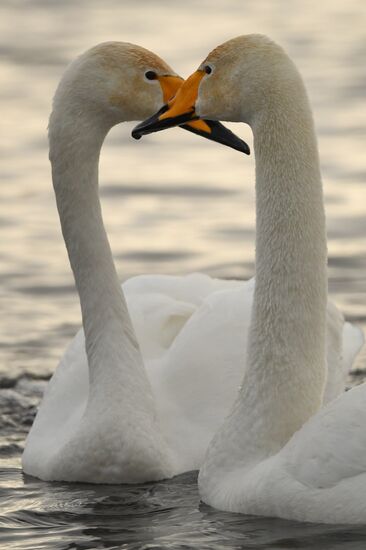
column 172, row 204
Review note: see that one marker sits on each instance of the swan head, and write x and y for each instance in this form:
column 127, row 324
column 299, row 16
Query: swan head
column 236, row 82
column 239, row 78
column 116, row 81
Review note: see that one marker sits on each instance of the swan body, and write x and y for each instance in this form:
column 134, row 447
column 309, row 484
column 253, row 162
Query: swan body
column 278, row 453
column 192, row 333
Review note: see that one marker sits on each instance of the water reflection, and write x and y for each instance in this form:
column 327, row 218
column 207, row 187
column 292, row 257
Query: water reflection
column 155, row 515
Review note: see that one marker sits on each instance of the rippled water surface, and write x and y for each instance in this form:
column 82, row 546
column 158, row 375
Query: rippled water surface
column 172, row 204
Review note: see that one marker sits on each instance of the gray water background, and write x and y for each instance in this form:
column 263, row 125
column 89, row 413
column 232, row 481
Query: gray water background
column 172, row 204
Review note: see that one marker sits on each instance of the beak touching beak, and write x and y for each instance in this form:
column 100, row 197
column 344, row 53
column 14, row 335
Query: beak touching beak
column 169, row 85
column 179, row 110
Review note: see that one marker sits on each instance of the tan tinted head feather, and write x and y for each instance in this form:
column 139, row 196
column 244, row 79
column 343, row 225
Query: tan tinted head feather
column 113, row 54
column 243, row 43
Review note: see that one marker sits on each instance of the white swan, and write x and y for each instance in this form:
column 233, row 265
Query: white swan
column 276, row 454
column 110, row 432
column 100, row 420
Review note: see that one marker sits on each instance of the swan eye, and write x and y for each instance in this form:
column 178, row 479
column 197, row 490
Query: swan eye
column 151, row 75
column 208, row 69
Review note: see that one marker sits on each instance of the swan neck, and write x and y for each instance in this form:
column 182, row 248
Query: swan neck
column 111, row 346
column 286, row 351
column 285, row 367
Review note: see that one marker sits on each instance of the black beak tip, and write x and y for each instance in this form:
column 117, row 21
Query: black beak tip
column 151, row 124
column 221, row 134
column 218, row 133
column 155, row 124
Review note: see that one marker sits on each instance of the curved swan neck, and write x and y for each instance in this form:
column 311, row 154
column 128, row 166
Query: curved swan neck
column 115, row 362
column 287, row 335
column 285, row 369
column 291, row 255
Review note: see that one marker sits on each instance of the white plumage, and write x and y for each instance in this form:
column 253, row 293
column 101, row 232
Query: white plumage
column 193, row 333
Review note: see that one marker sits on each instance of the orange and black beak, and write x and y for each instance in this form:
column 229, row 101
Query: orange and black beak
column 180, row 111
